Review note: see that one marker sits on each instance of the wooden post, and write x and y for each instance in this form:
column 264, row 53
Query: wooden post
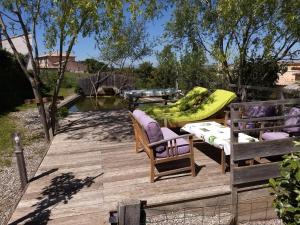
column 130, row 212
column 20, row 160
column 235, row 114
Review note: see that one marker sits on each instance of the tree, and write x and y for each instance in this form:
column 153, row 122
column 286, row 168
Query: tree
column 144, row 74
column 192, row 71
column 236, row 32
column 128, row 45
column 21, row 16
column 65, row 21
column 94, row 65
column 167, row 70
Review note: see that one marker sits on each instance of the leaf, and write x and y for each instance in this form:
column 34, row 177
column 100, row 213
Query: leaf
column 272, row 182
column 297, row 176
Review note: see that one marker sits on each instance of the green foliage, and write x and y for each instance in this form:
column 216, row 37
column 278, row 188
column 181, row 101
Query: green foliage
column 167, row 70
column 7, row 128
column 242, row 32
column 95, row 66
column 193, row 72
column 49, row 79
column 257, row 72
column 286, row 190
column 128, row 45
column 144, row 75
column 14, row 86
column 63, row 112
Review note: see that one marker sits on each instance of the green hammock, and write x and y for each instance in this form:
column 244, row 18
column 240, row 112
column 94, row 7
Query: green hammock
column 210, row 106
column 192, row 98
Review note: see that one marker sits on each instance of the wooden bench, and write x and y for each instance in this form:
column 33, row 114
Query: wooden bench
column 171, row 151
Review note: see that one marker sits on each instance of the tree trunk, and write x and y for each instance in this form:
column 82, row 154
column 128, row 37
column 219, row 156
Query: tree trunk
column 42, row 111
column 1, row 38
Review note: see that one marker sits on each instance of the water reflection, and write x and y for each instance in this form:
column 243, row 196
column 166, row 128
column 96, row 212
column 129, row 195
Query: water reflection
column 102, row 103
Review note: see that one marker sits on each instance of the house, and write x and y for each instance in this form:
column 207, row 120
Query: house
column 19, row 43
column 291, row 76
column 50, row 61
column 21, row 46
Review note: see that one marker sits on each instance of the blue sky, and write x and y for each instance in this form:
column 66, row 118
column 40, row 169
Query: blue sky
column 86, row 47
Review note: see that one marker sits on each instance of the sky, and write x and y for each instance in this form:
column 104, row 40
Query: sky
column 86, row 47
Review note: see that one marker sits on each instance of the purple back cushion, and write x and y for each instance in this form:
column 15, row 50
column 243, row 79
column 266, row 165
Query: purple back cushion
column 293, row 121
column 260, row 111
column 138, row 114
column 153, row 131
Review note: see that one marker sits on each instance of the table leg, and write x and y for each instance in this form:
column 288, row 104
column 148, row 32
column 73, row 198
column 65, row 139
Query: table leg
column 223, row 161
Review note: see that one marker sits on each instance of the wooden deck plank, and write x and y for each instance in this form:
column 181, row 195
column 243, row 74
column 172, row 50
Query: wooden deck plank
column 62, row 190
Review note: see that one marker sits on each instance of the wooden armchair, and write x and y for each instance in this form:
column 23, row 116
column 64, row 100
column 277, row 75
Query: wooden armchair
column 171, row 148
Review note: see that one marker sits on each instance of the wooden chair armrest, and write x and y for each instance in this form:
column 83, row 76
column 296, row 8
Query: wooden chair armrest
column 170, row 139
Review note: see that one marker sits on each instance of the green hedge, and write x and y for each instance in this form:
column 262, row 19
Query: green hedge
column 14, row 86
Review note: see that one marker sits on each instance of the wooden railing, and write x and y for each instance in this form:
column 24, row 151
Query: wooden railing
column 243, row 174
column 257, row 92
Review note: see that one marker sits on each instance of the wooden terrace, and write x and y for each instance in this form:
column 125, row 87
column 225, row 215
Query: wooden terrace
column 92, row 165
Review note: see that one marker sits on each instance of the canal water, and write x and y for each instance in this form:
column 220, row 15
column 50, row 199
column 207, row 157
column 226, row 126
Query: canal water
column 102, row 103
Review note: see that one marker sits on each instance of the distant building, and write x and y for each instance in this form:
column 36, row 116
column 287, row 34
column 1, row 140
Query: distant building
column 20, row 44
column 291, row 76
column 50, row 61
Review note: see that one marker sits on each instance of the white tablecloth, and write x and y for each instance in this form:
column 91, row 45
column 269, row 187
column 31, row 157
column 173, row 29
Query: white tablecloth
column 215, row 134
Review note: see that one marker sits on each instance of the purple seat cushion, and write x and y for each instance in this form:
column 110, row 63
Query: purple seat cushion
column 269, row 136
column 152, row 130
column 293, row 121
column 260, row 111
column 182, row 144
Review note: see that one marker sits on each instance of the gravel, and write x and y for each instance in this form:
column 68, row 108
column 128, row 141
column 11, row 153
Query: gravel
column 179, row 218
column 188, row 219
column 34, row 149
column 264, row 222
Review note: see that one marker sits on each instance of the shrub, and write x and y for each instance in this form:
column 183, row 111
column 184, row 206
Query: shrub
column 286, row 190
column 63, row 112
column 14, row 86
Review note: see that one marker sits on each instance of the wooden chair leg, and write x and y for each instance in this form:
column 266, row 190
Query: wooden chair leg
column 152, row 172
column 192, row 159
column 223, row 161
column 138, row 147
column 193, row 166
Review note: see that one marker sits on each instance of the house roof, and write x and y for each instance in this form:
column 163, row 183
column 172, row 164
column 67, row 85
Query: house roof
column 55, row 54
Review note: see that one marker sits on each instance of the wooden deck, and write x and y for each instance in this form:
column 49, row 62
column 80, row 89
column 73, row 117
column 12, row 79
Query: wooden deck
column 92, row 165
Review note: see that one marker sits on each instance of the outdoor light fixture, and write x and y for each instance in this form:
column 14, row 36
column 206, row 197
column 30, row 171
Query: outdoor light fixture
column 16, row 138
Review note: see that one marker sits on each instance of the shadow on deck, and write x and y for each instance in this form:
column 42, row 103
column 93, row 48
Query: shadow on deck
column 92, row 165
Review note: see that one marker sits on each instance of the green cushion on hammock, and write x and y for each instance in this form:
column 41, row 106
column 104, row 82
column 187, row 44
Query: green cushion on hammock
column 193, row 97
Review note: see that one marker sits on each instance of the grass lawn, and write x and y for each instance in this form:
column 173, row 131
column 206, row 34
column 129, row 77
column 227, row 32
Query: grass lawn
column 65, row 92
column 7, row 128
column 8, row 125
column 25, row 107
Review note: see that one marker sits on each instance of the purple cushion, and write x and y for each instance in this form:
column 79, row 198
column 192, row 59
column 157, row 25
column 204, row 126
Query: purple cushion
column 260, row 111
column 269, row 136
column 152, row 130
column 182, row 144
column 138, row 114
column 293, row 121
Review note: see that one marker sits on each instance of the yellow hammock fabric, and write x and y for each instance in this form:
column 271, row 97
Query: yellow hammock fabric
column 211, row 105
column 193, row 97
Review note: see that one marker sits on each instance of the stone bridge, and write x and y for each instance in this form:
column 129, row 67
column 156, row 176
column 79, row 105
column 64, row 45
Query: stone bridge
column 108, row 83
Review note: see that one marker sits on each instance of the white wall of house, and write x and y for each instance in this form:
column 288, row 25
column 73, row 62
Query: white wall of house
column 20, row 44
